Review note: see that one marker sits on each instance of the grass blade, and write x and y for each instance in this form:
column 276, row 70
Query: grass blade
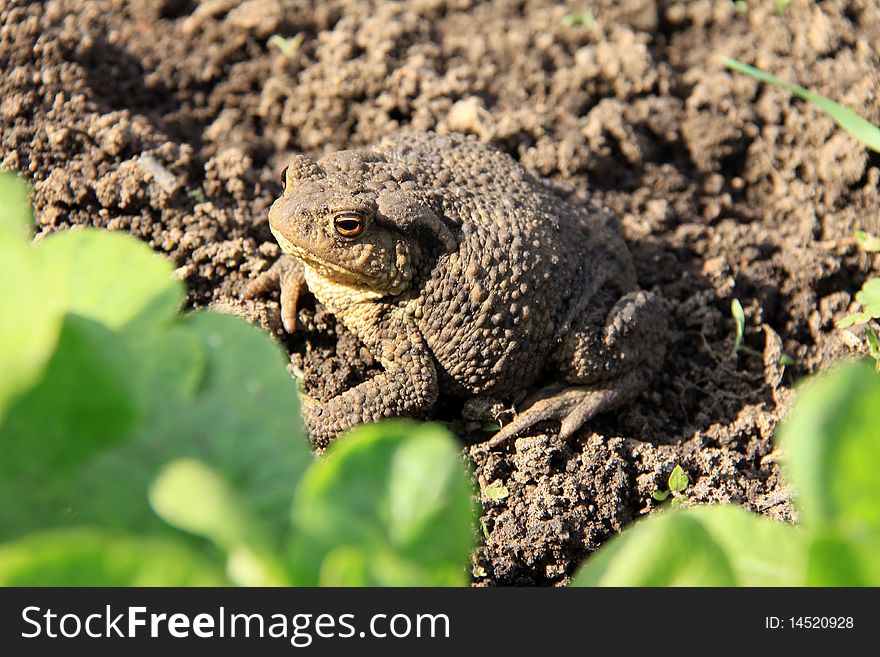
column 862, row 129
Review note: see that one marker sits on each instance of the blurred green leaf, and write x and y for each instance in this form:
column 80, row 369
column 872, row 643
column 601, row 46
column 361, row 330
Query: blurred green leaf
column 832, row 446
column 31, row 322
column 243, row 421
column 16, row 221
column 395, row 488
column 89, row 557
column 112, row 278
column 194, row 497
column 86, row 402
column 31, row 315
column 699, row 546
column 861, row 129
column 833, row 562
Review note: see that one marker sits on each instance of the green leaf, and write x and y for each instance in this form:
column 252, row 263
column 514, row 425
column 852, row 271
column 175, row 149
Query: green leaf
column 863, row 130
column 31, row 323
column 237, row 414
column 855, row 318
column 832, row 447
column 243, row 421
column 394, row 488
column 88, row 557
column 739, row 317
column 85, row 403
column 584, row 18
column 678, row 480
column 867, row 242
column 286, row 46
column 834, row 562
column 869, row 297
column 16, row 222
column 699, row 546
column 31, row 312
column 660, row 495
column 194, row 497
column 111, row 278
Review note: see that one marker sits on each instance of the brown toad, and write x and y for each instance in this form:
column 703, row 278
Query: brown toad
column 462, row 273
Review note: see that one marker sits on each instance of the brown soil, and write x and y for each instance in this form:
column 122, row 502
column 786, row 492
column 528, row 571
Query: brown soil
column 171, row 120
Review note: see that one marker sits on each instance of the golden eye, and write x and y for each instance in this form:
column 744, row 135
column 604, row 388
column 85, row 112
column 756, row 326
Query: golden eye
column 284, row 180
column 349, row 224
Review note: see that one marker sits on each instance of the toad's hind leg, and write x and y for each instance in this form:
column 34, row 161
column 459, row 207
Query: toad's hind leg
column 609, row 360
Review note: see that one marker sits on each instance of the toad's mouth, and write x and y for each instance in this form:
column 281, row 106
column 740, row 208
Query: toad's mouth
column 326, row 269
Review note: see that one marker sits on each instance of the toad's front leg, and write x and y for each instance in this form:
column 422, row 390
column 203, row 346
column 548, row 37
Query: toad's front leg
column 288, row 276
column 407, row 387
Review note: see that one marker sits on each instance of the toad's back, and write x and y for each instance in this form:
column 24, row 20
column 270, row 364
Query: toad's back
column 528, row 262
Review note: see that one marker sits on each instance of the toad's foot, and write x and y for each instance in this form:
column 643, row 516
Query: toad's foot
column 287, row 276
column 573, row 405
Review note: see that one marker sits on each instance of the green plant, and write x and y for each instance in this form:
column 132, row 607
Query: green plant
column 779, row 6
column 288, row 47
column 739, row 319
column 860, row 128
column 869, row 135
column 145, row 447
column 584, row 17
column 675, row 486
column 869, row 298
column 867, row 242
column 832, row 447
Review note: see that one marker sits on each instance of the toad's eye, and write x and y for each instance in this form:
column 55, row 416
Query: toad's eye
column 284, row 180
column 349, row 224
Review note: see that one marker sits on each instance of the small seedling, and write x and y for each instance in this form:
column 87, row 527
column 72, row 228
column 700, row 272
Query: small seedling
column 496, row 491
column 781, row 5
column 869, row 298
column 860, row 128
column 867, row 242
column 676, row 484
column 740, row 6
column 287, row 46
column 197, row 194
column 739, row 318
column 584, row 18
